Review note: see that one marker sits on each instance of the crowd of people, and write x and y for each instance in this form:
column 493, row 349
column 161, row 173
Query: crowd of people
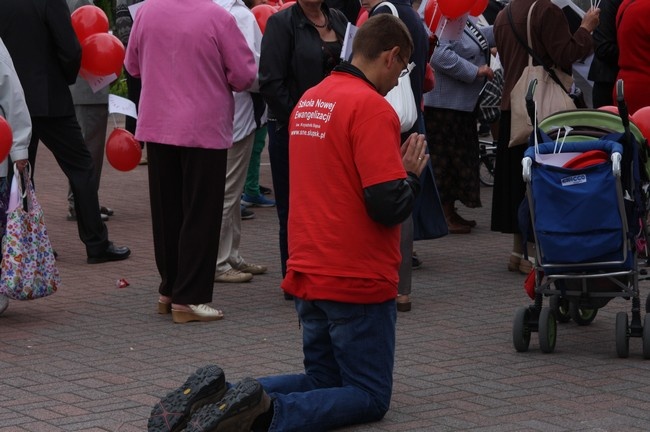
column 345, row 178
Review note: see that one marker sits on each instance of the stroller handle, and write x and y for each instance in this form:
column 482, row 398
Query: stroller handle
column 527, row 165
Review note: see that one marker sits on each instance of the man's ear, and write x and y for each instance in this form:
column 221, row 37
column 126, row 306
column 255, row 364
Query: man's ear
column 390, row 56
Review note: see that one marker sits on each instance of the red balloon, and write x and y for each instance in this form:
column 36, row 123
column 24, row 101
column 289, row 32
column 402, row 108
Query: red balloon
column 102, row 54
column 286, row 5
column 641, row 119
column 123, row 151
column 432, row 15
column 609, row 108
column 478, row 8
column 262, row 13
column 363, row 17
column 88, row 20
column 453, row 9
column 6, row 139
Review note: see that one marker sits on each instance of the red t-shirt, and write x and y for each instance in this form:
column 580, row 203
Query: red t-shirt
column 343, row 137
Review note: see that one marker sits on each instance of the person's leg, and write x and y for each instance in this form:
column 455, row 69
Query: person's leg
column 252, row 186
column 406, row 266
column 237, row 167
column 133, row 90
column 165, row 192
column 349, row 356
column 92, row 120
column 202, row 176
column 62, row 135
column 279, row 158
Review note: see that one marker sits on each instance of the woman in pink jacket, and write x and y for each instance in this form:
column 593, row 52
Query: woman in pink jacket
column 190, row 56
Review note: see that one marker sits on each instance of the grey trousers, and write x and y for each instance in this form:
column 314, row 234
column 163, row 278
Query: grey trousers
column 92, row 120
column 406, row 249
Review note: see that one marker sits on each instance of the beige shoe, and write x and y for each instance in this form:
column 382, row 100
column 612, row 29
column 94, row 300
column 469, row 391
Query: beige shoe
column 253, row 269
column 201, row 312
column 233, row 276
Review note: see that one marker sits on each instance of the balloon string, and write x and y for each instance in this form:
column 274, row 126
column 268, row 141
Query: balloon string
column 433, row 16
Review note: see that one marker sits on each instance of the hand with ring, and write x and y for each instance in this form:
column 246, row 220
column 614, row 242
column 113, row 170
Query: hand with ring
column 414, row 156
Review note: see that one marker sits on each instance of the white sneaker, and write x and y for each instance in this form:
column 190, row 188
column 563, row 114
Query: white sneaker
column 253, row 269
column 233, row 276
column 4, row 303
column 201, row 312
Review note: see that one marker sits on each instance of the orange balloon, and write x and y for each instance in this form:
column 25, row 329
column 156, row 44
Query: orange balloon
column 262, row 14
column 88, row 20
column 478, row 8
column 6, row 139
column 641, row 118
column 432, row 15
column 363, row 17
column 453, row 9
column 123, row 151
column 609, row 108
column 102, row 54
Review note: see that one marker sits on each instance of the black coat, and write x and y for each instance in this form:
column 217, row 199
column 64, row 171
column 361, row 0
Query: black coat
column 604, row 67
column 45, row 52
column 291, row 58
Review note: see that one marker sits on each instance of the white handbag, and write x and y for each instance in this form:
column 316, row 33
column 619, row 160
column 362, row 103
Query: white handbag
column 401, row 96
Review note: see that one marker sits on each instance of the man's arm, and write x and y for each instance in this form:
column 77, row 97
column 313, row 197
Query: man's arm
column 66, row 45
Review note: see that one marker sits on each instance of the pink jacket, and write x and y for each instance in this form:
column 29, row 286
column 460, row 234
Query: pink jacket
column 190, row 56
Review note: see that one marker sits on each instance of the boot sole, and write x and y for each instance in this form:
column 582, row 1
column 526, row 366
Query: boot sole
column 171, row 414
column 236, row 412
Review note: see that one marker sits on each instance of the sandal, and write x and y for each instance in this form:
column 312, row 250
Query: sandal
column 515, row 261
column 164, row 305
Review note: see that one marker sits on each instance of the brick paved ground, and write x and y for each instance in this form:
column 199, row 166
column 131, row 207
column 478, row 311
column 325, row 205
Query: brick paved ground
column 95, row 358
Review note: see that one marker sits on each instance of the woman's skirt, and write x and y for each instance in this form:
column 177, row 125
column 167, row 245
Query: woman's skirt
column 452, row 138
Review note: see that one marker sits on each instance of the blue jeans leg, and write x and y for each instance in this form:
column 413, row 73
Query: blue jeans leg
column 349, row 352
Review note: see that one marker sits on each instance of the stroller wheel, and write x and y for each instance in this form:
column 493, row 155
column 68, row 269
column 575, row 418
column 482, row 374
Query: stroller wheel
column 646, row 337
column 560, row 305
column 622, row 335
column 581, row 314
column 521, row 330
column 547, row 330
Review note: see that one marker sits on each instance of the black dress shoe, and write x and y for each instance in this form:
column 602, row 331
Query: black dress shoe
column 112, row 253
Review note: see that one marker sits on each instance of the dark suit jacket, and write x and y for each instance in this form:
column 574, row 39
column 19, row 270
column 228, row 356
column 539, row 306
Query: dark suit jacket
column 604, row 66
column 45, row 52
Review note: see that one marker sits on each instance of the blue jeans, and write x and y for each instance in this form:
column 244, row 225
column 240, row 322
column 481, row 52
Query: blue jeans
column 349, row 354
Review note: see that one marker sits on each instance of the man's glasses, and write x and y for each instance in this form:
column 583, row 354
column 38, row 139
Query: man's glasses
column 408, row 67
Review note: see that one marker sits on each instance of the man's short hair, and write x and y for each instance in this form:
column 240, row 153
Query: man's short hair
column 381, row 33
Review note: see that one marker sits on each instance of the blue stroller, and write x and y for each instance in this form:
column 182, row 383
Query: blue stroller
column 586, row 210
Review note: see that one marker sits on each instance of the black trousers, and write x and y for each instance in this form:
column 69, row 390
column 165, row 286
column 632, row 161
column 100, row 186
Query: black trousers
column 62, row 135
column 186, row 187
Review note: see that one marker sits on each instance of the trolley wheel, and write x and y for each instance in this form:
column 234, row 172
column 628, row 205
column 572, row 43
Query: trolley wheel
column 622, row 335
column 560, row 305
column 486, row 168
column 547, row 330
column 521, row 330
column 580, row 314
